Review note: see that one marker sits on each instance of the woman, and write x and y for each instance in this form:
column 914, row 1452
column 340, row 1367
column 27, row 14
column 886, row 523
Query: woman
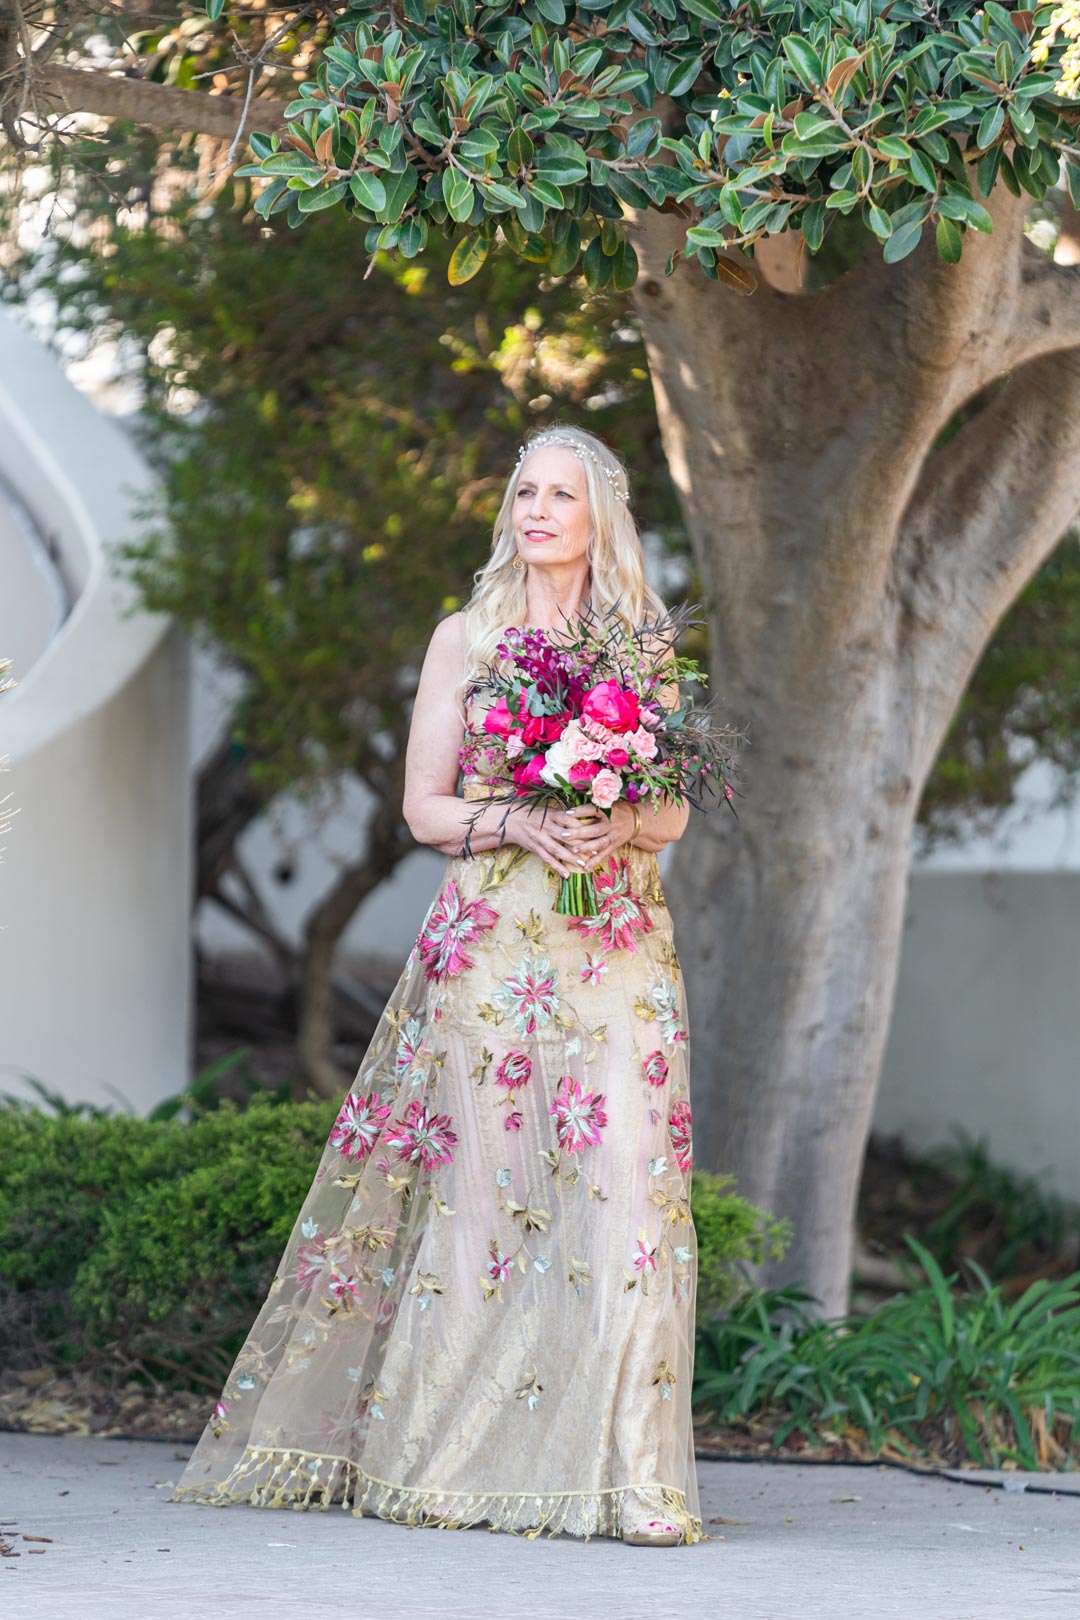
column 485, row 1313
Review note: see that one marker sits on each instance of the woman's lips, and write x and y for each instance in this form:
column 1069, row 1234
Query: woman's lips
column 538, row 534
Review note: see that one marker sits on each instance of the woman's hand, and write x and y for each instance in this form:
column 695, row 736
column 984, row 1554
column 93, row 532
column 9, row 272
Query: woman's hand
column 528, row 826
column 589, row 835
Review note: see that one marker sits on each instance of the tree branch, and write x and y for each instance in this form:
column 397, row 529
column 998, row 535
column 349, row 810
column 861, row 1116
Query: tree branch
column 993, row 503
column 1048, row 308
column 113, row 95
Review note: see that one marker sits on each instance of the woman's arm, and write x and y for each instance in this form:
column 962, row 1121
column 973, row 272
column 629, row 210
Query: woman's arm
column 434, row 812
column 664, row 827
column 668, row 823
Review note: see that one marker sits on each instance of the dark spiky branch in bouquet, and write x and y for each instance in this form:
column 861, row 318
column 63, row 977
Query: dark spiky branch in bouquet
column 695, row 756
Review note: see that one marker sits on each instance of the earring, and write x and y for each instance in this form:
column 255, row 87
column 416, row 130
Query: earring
column 519, row 561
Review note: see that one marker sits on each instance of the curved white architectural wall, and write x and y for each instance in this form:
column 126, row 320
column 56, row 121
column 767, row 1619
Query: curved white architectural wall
column 95, row 970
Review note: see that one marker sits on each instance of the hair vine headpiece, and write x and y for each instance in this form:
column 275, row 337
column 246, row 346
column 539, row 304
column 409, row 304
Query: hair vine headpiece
column 551, row 436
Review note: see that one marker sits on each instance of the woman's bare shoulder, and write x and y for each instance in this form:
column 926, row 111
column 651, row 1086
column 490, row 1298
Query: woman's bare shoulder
column 446, row 646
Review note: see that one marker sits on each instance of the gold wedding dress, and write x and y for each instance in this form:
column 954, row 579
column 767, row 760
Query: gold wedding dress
column 485, row 1311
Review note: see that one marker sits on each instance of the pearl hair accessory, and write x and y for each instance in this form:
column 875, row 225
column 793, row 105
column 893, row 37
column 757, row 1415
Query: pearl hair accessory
column 581, row 451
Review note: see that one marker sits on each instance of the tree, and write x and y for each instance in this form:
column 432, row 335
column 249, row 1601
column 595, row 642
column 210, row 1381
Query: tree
column 855, row 551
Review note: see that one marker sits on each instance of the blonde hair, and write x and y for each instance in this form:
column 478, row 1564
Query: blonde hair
column 616, row 558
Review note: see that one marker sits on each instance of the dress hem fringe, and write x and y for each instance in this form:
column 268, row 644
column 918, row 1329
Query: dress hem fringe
column 293, row 1480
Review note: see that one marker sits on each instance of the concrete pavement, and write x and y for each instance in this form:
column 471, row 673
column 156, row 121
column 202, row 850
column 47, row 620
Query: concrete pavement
column 808, row 1543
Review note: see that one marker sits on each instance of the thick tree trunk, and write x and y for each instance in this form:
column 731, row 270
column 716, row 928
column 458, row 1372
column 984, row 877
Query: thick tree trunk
column 851, row 580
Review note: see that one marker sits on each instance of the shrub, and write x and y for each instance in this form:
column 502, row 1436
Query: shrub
column 149, row 1244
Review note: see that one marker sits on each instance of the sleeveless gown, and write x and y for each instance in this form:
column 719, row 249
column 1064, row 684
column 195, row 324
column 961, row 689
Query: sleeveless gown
column 485, row 1311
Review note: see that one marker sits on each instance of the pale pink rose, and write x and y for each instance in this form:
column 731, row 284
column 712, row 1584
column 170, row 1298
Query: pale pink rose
column 642, row 743
column 515, row 745
column 578, row 745
column 599, row 733
column 606, row 788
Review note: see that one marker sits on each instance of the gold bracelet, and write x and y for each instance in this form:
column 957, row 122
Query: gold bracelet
column 637, row 824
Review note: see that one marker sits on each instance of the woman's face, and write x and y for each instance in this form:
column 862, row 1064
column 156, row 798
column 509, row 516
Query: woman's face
column 552, row 523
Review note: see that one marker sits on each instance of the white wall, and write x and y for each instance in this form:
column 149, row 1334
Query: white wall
column 987, row 1024
column 95, row 885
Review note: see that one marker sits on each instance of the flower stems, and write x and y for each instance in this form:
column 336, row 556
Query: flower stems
column 577, row 896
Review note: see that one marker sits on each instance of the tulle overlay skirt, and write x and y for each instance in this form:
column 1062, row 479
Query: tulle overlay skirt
column 485, row 1311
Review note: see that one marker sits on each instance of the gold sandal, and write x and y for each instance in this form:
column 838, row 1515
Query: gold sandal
column 654, row 1533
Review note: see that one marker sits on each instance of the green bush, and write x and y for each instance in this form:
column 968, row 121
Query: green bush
column 149, row 1244
column 151, row 1241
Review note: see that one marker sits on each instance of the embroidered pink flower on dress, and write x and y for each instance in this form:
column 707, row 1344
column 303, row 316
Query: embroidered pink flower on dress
column 452, row 924
column 514, row 1070
column 656, row 1068
column 529, row 994
column 593, row 969
column 645, row 1259
column 679, row 1127
column 620, row 914
column 357, row 1127
column 499, row 1265
column 579, row 1115
column 343, row 1287
column 311, row 1258
column 423, row 1138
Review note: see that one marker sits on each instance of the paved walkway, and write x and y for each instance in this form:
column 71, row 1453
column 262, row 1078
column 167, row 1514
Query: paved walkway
column 808, row 1543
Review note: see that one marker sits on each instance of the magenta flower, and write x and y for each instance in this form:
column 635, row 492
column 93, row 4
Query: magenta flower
column 620, row 914
column 452, row 924
column 357, row 1127
column 423, row 1138
column 656, row 1068
column 514, row 1070
column 679, row 1127
column 612, row 705
column 513, row 1121
column 579, row 1115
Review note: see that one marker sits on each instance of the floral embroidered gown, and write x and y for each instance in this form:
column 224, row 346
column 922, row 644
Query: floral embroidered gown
column 485, row 1311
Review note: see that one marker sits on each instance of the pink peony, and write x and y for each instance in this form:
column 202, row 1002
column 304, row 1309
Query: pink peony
column 527, row 776
column 514, row 746
column 612, row 706
column 606, row 788
column 582, row 772
column 498, row 720
column 542, row 728
column 617, row 758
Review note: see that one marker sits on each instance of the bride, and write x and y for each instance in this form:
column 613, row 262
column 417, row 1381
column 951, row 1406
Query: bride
column 485, row 1311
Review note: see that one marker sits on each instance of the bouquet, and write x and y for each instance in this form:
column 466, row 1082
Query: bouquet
column 577, row 719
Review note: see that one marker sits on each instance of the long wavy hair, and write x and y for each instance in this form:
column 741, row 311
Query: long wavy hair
column 615, row 555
